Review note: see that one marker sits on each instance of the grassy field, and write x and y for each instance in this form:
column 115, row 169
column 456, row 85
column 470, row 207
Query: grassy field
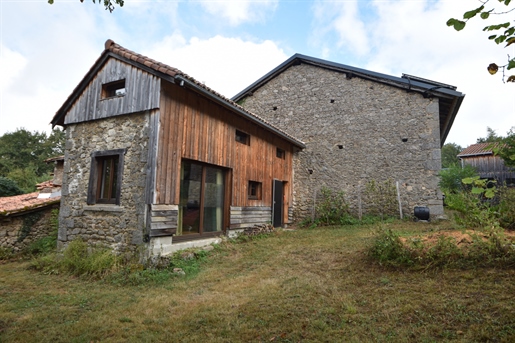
column 307, row 285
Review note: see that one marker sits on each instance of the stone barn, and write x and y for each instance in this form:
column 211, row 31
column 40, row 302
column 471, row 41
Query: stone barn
column 359, row 126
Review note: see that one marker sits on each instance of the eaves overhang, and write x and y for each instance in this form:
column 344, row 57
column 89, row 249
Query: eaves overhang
column 450, row 99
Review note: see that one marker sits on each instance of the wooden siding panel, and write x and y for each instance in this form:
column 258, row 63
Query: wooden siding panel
column 138, row 85
column 203, row 131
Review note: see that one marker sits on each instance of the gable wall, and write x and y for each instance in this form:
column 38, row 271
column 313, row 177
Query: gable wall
column 142, row 93
column 368, row 120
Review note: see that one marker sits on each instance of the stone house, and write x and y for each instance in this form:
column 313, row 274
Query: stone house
column 155, row 161
column 488, row 166
column 358, row 126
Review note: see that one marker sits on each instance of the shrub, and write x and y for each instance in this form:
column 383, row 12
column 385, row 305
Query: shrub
column 450, row 178
column 9, row 188
column 381, row 199
column 507, row 208
column 388, row 249
column 331, row 207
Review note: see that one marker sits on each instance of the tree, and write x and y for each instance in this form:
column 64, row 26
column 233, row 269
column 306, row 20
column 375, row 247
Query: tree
column 450, row 153
column 8, row 187
column 23, row 154
column 109, row 4
column 506, row 150
column 505, row 31
column 491, row 136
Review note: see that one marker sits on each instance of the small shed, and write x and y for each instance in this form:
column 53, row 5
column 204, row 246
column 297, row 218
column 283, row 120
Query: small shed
column 488, row 165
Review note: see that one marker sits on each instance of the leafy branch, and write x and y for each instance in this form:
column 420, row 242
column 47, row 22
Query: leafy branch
column 108, row 4
column 506, row 33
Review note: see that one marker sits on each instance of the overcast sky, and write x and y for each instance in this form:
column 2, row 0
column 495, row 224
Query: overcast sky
column 47, row 49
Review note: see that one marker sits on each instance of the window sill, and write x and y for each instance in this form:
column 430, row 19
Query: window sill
column 104, row 208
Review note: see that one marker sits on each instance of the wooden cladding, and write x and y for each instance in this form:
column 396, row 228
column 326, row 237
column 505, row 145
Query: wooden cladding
column 193, row 127
column 118, row 88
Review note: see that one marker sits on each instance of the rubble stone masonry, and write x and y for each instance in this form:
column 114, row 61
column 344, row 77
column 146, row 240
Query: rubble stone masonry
column 355, row 131
column 120, row 227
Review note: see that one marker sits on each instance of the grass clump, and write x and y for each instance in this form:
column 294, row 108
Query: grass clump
column 79, row 260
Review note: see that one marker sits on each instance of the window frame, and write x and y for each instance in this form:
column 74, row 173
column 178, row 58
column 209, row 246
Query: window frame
column 96, row 174
column 245, row 137
column 109, row 89
column 258, row 187
column 280, row 153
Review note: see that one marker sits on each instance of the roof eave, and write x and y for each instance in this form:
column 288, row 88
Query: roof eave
column 184, row 81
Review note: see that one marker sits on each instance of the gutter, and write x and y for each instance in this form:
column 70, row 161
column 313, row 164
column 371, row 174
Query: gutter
column 182, row 81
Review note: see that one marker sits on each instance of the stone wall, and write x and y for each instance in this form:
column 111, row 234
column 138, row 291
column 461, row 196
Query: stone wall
column 16, row 237
column 120, row 227
column 355, row 131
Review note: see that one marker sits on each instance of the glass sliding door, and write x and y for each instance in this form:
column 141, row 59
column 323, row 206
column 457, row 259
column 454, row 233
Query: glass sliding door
column 213, row 200
column 202, row 199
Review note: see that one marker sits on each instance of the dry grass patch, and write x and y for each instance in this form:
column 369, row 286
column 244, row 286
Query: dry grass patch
column 299, row 286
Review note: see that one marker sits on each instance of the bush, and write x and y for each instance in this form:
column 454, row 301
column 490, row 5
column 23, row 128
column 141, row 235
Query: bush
column 9, row 188
column 331, row 207
column 507, row 208
column 389, row 250
column 381, row 199
column 450, row 178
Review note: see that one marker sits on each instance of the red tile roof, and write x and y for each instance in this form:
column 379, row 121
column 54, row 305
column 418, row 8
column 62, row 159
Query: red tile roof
column 24, row 202
column 478, row 149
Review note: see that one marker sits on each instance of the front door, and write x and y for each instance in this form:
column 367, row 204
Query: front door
column 277, row 206
column 202, row 199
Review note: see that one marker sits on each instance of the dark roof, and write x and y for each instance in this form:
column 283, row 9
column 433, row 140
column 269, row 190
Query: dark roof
column 450, row 99
column 478, row 149
column 170, row 74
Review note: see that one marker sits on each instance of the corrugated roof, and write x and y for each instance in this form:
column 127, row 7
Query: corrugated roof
column 171, row 74
column 478, row 149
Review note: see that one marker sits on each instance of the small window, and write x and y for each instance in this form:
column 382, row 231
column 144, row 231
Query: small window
column 280, row 153
column 254, row 190
column 113, row 89
column 242, row 137
column 105, row 177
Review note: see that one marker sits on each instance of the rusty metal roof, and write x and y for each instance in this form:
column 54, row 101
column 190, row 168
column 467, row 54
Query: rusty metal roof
column 171, row 74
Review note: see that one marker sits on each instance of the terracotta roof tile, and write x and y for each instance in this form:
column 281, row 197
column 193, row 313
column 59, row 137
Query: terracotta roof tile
column 478, row 149
column 166, row 69
column 24, row 202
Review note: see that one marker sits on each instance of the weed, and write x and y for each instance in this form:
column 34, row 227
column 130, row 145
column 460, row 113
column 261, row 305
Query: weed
column 6, row 253
column 389, row 250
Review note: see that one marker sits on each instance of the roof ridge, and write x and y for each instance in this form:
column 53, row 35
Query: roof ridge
column 117, row 49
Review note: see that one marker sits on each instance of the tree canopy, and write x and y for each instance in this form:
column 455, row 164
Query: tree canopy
column 504, row 30
column 23, row 154
column 109, row 4
column 506, row 150
column 450, row 153
column 491, row 136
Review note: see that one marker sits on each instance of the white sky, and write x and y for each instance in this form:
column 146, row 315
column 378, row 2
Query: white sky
column 47, row 49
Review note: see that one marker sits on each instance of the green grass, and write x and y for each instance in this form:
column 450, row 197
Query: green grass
column 308, row 285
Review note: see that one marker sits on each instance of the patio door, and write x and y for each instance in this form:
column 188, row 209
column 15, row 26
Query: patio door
column 202, row 199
